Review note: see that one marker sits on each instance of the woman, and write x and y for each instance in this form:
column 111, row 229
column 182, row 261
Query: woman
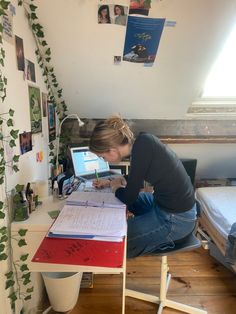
column 104, row 15
column 119, row 12
column 159, row 218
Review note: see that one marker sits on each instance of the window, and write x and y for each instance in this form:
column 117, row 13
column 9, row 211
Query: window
column 221, row 82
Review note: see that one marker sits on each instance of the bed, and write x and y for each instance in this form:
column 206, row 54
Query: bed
column 218, row 214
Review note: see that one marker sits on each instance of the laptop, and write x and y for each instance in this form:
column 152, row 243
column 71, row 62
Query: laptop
column 86, row 164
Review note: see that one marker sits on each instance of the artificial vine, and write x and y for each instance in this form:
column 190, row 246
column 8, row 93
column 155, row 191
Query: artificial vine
column 43, row 53
column 18, row 271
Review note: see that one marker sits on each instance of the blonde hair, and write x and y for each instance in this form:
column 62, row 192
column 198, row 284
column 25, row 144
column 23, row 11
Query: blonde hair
column 110, row 133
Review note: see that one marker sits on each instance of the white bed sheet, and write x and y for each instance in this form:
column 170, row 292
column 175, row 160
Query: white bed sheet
column 219, row 205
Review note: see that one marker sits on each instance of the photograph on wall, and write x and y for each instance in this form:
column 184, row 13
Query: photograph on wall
column 25, row 142
column 44, row 104
column 51, row 121
column 35, row 109
column 112, row 14
column 7, row 24
column 142, row 39
column 30, row 71
column 20, row 53
column 140, row 7
column 117, row 60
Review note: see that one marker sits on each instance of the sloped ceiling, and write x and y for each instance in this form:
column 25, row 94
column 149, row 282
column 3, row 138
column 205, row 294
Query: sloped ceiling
column 93, row 87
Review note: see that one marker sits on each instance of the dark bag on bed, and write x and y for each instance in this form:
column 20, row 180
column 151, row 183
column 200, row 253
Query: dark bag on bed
column 230, row 253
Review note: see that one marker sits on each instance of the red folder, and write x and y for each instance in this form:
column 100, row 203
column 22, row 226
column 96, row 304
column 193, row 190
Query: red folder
column 80, row 252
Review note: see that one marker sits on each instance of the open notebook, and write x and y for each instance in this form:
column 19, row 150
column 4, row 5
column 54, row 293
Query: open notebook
column 91, row 215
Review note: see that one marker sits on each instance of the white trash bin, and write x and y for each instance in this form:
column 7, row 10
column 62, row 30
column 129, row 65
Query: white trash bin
column 62, row 289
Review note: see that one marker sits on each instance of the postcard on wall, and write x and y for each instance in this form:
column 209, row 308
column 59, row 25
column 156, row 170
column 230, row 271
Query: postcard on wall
column 140, row 7
column 20, row 53
column 7, row 24
column 35, row 109
column 112, row 14
column 25, row 142
column 142, row 39
column 30, row 71
column 51, row 121
column 44, row 104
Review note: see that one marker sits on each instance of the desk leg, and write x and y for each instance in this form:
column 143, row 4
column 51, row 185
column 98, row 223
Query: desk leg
column 123, row 291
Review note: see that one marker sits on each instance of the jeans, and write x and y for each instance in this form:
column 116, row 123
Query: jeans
column 153, row 228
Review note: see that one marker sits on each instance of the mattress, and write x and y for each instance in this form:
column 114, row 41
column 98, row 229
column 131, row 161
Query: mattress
column 219, row 206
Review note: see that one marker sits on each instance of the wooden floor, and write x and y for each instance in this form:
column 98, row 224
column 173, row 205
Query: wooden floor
column 197, row 279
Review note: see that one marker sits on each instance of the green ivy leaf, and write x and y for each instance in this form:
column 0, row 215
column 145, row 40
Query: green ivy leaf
column 2, row 247
column 9, row 274
column 2, row 170
column 15, row 168
column 32, row 7
column 11, row 113
column 24, row 267
column 1, row 151
column 22, row 232
column 16, row 158
column 9, row 283
column 3, row 230
column 27, row 298
column 48, row 52
column 12, row 143
column 1, row 180
column 4, row 238
column 3, row 257
column 10, row 122
column 30, row 290
column 21, row 243
column 26, row 282
column 16, row 198
column 14, row 133
column 1, row 207
column 2, row 215
column 13, row 296
column 4, row 4
column 26, row 276
column 19, row 188
column 20, row 2
column 24, row 257
column 33, row 16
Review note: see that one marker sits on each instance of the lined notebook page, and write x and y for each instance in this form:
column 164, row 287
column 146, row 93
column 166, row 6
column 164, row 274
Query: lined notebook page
column 96, row 221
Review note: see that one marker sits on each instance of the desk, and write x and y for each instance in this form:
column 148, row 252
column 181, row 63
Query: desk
column 37, row 225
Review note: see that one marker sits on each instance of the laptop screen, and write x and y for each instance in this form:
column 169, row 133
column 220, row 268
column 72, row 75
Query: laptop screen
column 86, row 162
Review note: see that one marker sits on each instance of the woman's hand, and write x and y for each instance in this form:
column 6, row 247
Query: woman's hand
column 117, row 183
column 101, row 183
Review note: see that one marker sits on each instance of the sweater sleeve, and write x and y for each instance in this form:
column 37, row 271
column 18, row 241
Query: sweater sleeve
column 141, row 158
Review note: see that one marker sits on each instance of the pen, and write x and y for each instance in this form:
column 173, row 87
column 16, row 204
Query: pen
column 96, row 175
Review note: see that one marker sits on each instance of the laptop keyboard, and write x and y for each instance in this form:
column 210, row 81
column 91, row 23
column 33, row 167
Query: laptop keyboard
column 101, row 174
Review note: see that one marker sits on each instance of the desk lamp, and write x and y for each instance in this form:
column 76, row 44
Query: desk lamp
column 81, row 123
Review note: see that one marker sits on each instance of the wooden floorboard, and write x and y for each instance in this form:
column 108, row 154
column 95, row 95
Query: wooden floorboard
column 197, row 280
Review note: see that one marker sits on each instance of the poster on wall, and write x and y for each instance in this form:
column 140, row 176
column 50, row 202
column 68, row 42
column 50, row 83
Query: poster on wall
column 30, row 71
column 140, row 7
column 44, row 104
column 112, row 14
column 51, row 122
column 25, row 142
column 20, row 53
column 142, row 39
column 7, row 24
column 35, row 109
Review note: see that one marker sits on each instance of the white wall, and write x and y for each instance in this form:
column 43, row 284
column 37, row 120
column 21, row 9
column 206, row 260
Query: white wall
column 94, row 88
column 17, row 99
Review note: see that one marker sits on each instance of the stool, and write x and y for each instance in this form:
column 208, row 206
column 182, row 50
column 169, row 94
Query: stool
column 191, row 242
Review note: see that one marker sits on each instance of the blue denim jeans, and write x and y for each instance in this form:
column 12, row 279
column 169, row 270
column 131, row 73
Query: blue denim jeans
column 153, row 228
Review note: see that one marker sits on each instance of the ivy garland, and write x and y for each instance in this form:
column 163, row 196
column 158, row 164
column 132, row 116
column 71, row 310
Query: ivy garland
column 19, row 272
column 43, row 53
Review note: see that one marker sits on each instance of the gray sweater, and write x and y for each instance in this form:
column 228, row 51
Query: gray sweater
column 156, row 163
